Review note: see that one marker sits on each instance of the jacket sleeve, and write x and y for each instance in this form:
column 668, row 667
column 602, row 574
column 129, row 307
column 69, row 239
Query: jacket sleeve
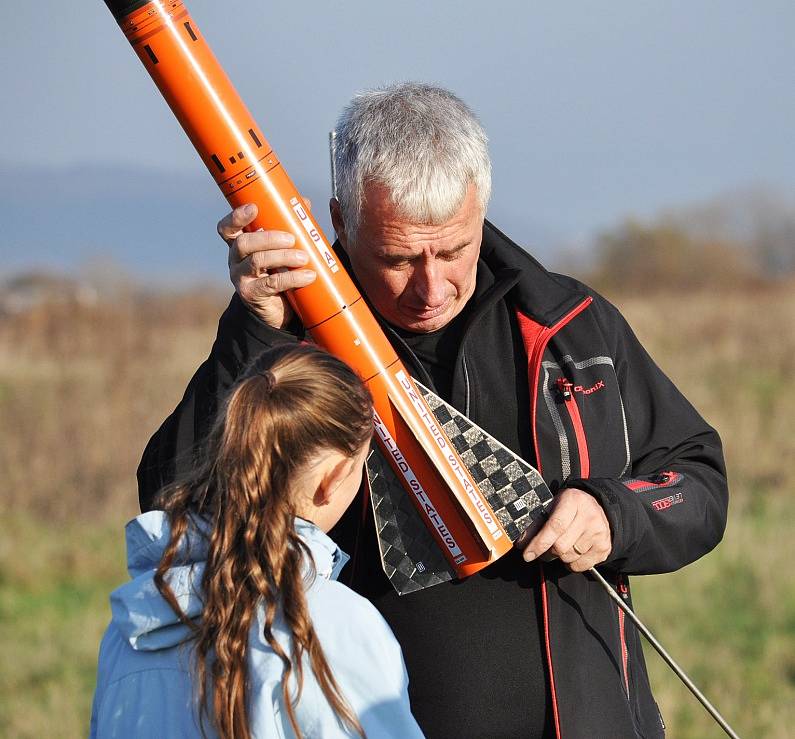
column 171, row 451
column 672, row 507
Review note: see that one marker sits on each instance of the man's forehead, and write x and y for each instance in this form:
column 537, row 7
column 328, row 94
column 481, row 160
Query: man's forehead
column 437, row 247
column 387, row 231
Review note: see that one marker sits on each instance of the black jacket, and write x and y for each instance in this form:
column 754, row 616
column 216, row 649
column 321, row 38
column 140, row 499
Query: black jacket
column 601, row 416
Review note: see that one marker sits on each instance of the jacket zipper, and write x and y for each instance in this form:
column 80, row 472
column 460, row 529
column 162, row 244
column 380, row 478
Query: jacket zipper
column 566, row 389
column 656, row 482
column 567, row 393
column 539, row 345
column 548, row 647
column 535, row 364
column 466, row 380
column 623, row 592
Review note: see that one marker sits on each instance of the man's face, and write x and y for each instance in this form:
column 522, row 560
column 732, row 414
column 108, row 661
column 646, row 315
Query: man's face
column 417, row 277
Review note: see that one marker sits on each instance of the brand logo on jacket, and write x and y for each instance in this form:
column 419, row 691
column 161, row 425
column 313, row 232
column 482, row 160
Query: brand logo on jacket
column 663, row 503
column 588, row 390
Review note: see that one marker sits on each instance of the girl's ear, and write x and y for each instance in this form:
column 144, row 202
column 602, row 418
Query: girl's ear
column 336, row 469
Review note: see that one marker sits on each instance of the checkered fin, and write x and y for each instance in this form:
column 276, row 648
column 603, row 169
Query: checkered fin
column 410, row 556
column 514, row 489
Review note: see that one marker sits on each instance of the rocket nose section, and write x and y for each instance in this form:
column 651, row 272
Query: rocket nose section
column 122, row 8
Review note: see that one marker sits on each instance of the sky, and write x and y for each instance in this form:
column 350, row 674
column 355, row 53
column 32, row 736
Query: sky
column 595, row 111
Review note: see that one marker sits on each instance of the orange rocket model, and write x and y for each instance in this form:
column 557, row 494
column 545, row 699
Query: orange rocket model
column 427, row 445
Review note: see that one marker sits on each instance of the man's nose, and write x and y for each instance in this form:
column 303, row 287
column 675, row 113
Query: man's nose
column 429, row 283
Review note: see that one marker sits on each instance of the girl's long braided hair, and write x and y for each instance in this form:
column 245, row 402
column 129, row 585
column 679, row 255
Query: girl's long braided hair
column 293, row 402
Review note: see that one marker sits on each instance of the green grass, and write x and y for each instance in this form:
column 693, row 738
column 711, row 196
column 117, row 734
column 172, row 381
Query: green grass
column 54, row 586
column 729, row 621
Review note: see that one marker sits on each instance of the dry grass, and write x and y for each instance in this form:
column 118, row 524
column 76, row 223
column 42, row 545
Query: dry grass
column 81, row 390
column 730, row 618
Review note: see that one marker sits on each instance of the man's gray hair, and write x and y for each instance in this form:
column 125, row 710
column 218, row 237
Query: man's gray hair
column 421, row 142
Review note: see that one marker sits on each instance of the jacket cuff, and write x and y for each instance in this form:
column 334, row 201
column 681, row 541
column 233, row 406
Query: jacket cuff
column 609, row 495
column 257, row 334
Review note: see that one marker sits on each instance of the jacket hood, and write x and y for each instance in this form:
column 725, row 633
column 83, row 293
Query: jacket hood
column 139, row 611
column 544, row 296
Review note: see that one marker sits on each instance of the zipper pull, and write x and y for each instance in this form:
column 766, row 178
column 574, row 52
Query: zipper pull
column 564, row 387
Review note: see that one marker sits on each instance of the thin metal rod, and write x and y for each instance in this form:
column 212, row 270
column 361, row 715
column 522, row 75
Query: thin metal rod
column 332, row 150
column 680, row 673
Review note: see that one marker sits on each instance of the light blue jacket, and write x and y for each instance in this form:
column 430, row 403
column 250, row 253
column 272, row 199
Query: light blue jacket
column 144, row 686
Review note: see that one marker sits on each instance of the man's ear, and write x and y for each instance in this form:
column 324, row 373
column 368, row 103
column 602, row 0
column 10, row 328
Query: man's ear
column 337, row 221
column 334, row 474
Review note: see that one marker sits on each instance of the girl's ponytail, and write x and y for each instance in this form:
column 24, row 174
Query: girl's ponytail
column 293, row 402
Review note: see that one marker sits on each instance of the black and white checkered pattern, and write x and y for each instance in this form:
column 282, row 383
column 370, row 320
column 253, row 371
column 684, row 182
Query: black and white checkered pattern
column 515, row 491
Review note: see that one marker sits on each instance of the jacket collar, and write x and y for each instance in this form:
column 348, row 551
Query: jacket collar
column 139, row 611
column 538, row 294
column 329, row 559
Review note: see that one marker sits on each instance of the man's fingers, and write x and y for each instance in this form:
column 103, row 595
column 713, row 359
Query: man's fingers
column 581, row 546
column 577, row 532
column 263, row 264
column 591, row 548
column 260, row 262
column 578, row 536
column 558, row 523
column 594, row 555
column 573, row 545
column 232, row 224
column 279, row 282
column 250, row 243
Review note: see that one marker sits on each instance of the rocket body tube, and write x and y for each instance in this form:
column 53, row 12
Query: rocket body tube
column 246, row 169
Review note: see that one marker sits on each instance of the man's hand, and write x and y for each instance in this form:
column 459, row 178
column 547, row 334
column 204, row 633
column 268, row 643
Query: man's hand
column 258, row 266
column 577, row 532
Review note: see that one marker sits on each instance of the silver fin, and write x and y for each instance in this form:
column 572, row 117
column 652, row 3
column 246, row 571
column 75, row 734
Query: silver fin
column 410, row 556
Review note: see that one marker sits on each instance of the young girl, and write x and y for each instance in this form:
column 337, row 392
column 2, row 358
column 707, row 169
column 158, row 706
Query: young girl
column 233, row 624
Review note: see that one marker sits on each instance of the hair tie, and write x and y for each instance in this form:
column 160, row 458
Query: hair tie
column 270, row 380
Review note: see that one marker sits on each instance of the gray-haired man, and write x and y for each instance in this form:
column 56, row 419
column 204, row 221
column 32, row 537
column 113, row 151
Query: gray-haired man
column 541, row 362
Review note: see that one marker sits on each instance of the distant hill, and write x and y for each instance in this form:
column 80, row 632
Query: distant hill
column 155, row 225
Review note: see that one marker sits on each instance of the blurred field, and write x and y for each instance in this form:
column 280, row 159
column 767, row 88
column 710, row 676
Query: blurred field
column 82, row 389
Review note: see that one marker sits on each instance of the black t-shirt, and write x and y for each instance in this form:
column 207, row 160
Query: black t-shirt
column 473, row 648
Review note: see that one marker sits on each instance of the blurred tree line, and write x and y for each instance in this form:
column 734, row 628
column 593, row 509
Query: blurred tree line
column 743, row 240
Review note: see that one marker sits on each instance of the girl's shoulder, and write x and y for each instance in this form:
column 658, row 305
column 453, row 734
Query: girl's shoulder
column 364, row 657
column 332, row 604
column 345, row 616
